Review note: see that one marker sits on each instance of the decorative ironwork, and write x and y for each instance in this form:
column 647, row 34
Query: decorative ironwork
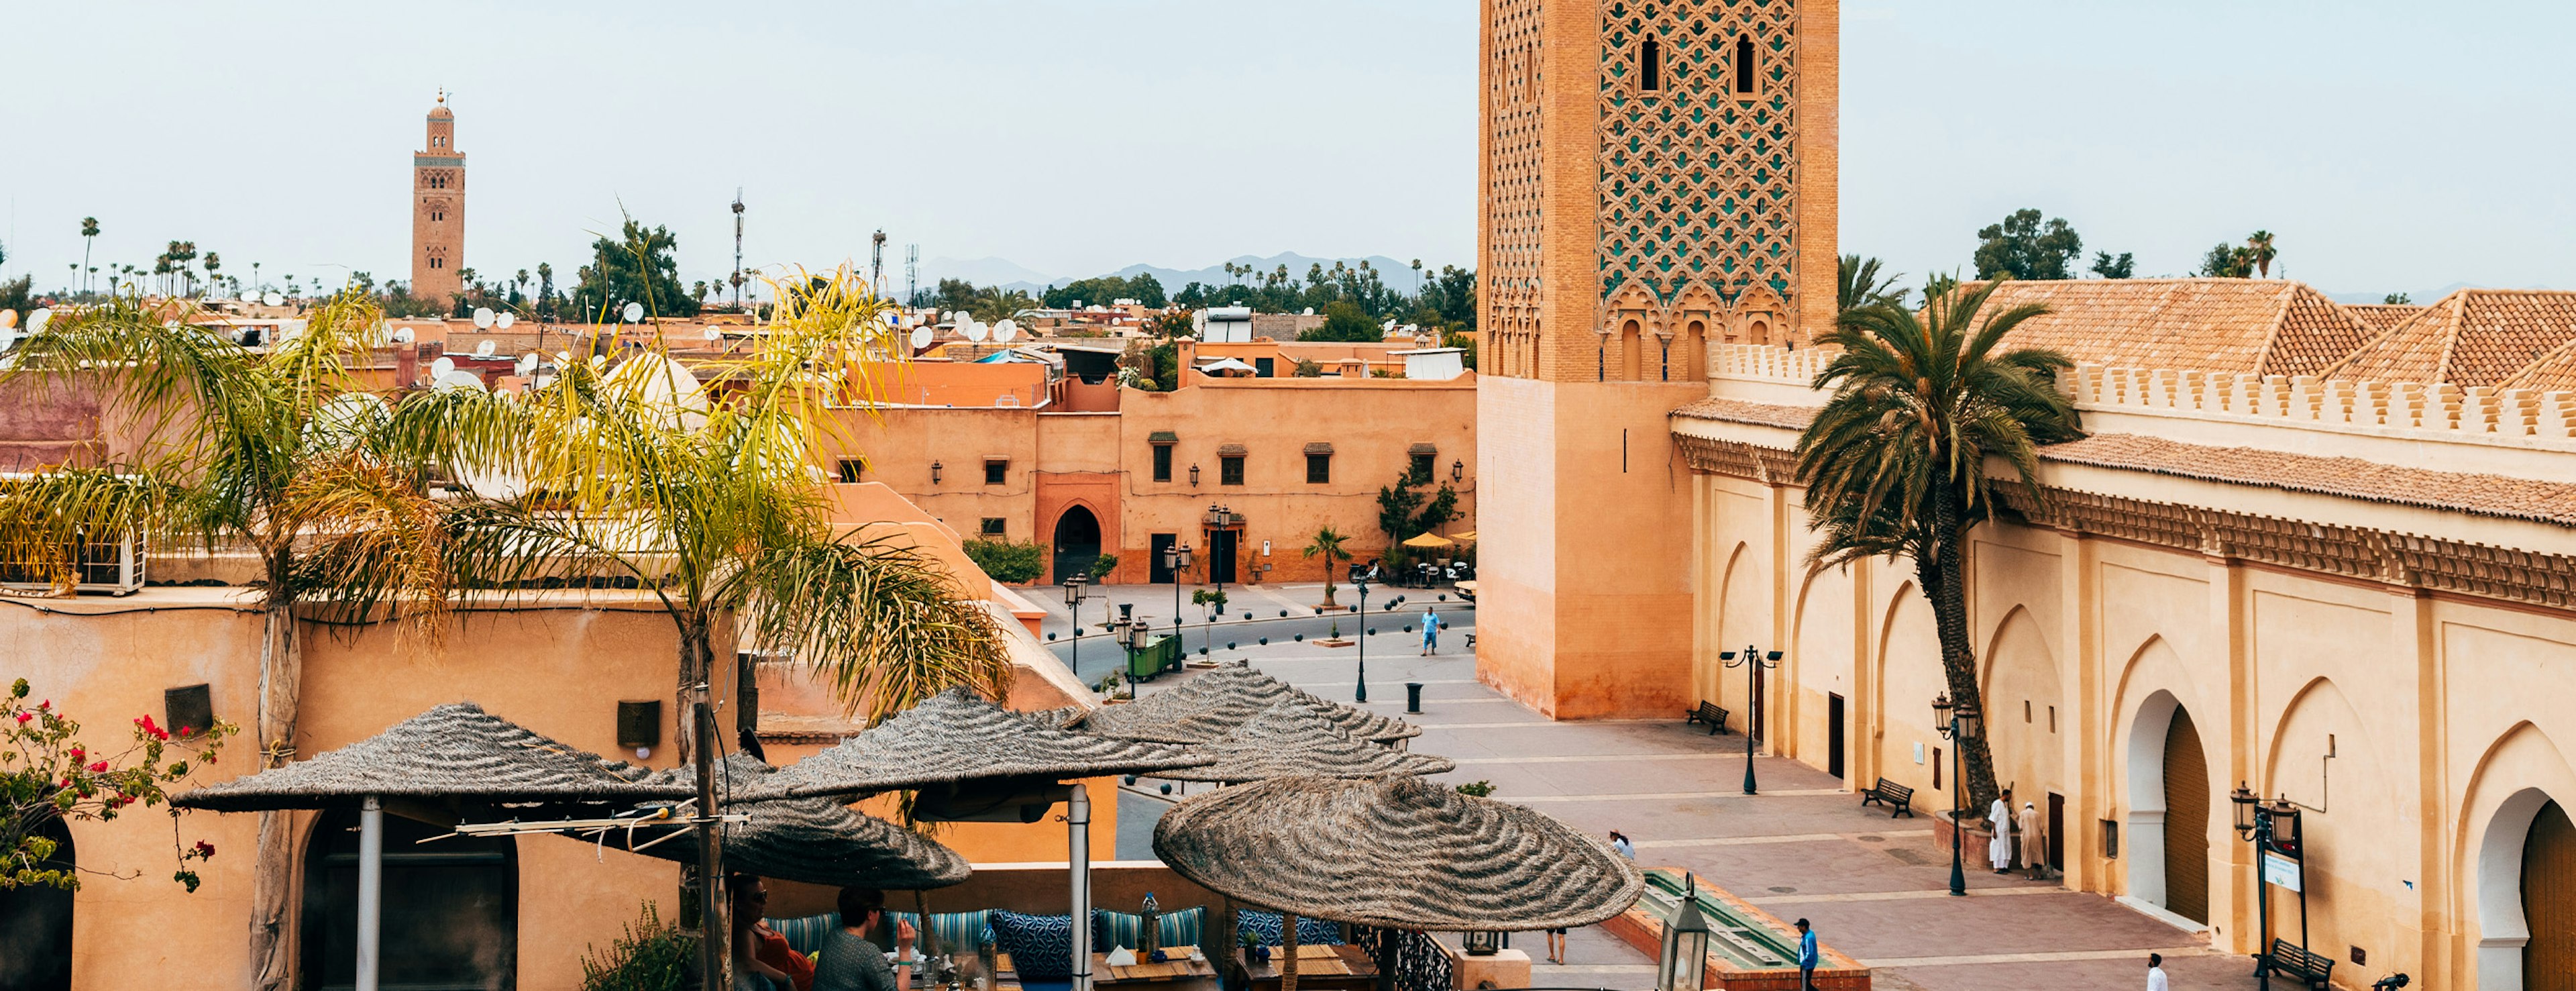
column 1413, row 960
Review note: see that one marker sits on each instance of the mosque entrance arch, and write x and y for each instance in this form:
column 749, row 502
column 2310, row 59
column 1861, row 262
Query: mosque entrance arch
column 2168, row 829
column 2549, row 901
column 1077, row 543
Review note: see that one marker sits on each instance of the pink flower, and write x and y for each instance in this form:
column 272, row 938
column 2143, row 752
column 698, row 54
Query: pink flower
column 23, row 717
column 98, row 768
column 205, row 850
column 78, row 753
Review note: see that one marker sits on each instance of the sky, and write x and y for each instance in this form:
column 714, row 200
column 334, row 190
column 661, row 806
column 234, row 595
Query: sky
column 2388, row 147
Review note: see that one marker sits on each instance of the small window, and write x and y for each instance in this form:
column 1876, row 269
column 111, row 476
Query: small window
column 1229, row 470
column 1162, row 462
column 1650, row 65
column 993, row 526
column 1319, row 469
column 849, row 469
column 1936, row 769
column 2052, row 719
column 1421, row 469
column 1744, row 63
column 2025, row 710
column 996, row 472
column 1265, row 368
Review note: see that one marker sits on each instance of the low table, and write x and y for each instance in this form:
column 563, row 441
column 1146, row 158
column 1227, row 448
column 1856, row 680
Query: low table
column 1176, row 974
column 1325, row 968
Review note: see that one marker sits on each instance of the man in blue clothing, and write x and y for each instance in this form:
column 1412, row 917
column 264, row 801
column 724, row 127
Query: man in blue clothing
column 1806, row 957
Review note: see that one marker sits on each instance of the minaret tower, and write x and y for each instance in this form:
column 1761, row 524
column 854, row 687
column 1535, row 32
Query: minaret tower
column 1657, row 181
column 438, row 209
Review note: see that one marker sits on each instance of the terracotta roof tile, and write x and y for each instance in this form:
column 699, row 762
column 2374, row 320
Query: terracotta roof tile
column 2554, row 372
column 2471, row 337
column 2382, row 316
column 2353, row 478
column 1740, row 411
column 2264, row 326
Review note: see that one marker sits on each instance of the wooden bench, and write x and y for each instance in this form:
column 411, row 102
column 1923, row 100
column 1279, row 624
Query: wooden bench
column 1710, row 713
column 2298, row 963
column 1898, row 798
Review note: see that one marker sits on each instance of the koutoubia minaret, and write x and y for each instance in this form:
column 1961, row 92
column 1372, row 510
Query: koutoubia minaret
column 1657, row 179
column 438, row 209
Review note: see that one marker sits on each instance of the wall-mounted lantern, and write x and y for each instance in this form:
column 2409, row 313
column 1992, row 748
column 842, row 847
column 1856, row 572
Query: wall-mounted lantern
column 934, row 472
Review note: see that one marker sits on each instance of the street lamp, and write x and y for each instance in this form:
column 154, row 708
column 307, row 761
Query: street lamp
column 1177, row 560
column 1957, row 723
column 2273, row 828
column 1683, row 966
column 1359, row 580
column 1073, row 596
column 1754, row 661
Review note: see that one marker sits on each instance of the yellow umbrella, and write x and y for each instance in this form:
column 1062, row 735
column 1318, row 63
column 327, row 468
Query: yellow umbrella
column 1468, row 537
column 1427, row 540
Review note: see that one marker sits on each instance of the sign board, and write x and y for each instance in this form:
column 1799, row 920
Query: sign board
column 2280, row 870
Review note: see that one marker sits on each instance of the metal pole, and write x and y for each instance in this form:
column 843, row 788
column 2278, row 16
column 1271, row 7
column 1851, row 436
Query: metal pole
column 1361, row 693
column 1958, row 868
column 714, row 934
column 371, row 890
column 1077, row 821
column 2262, row 898
column 1753, row 709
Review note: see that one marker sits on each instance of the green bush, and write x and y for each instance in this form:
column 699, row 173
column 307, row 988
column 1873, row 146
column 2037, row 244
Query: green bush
column 1015, row 562
column 1101, row 567
column 650, row 957
column 1479, row 789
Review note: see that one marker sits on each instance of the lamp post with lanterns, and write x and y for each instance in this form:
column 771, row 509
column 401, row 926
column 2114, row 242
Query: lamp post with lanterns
column 1073, row 596
column 1754, row 662
column 1176, row 560
column 2280, row 857
column 1683, row 965
column 1957, row 723
column 1359, row 580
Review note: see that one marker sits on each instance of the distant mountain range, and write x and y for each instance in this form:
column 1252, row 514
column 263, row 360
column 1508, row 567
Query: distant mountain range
column 1011, row 275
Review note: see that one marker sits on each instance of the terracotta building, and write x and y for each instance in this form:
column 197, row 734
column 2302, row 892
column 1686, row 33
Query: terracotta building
column 438, row 209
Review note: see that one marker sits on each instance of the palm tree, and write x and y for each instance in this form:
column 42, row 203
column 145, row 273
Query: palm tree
column 89, row 239
column 993, row 304
column 1894, row 462
column 213, row 262
column 1857, row 284
column 2258, row 246
column 1328, row 545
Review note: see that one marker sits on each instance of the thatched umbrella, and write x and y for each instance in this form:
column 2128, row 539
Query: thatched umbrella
column 1394, row 853
column 1293, row 737
column 955, row 737
column 814, row 840
column 1215, row 703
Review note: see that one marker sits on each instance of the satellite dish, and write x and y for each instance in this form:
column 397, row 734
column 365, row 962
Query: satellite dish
column 274, row 298
column 482, row 318
column 402, row 335
column 563, row 356
column 977, row 332
column 526, row 363
column 921, row 337
column 632, row 312
column 959, row 317
column 485, row 349
column 439, row 369
column 505, row 320
column 8, row 318
column 36, row 321
column 457, row 379
column 9, row 338
column 715, row 333
column 1006, row 330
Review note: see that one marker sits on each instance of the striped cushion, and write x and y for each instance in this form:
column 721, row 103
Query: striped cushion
column 1264, row 926
column 957, row 932
column 806, row 934
column 1112, row 929
column 1041, row 946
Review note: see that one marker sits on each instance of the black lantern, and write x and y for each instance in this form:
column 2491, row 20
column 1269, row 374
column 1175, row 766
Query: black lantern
column 1458, row 471
column 1483, row 942
column 2243, row 799
column 1683, row 966
column 1194, row 474
column 934, row 473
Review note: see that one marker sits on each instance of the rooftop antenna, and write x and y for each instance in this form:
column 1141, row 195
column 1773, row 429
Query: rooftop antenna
column 876, row 263
column 737, row 247
column 911, row 273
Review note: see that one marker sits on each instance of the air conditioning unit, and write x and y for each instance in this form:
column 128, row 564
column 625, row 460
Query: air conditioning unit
column 113, row 565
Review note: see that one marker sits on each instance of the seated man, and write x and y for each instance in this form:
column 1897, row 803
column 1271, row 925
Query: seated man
column 849, row 962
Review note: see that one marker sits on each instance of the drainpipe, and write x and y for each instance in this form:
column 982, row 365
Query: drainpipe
column 371, row 890
column 1077, row 820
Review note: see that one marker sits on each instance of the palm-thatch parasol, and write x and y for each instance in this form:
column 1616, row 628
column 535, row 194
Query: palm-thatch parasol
column 814, row 840
column 955, row 736
column 1215, row 703
column 452, row 752
column 1294, row 737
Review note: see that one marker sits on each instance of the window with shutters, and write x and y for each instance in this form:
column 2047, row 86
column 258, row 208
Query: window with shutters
column 1229, row 470
column 1319, row 469
column 1162, row 462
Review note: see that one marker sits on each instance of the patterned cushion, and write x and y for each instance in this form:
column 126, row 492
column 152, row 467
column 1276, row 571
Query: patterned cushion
column 1182, row 928
column 806, row 934
column 1041, row 946
column 1265, row 927
column 956, row 931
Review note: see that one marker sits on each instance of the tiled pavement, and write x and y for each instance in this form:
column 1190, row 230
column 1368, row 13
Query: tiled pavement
column 1874, row 886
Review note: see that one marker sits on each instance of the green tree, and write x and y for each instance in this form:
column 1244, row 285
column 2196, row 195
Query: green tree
column 89, row 238
column 1858, row 284
column 994, row 305
column 639, row 266
column 1328, row 545
column 2259, row 250
column 1345, row 321
column 2227, row 261
column 2113, row 268
column 1017, row 562
column 2023, row 247
column 1894, row 463
column 1150, row 367
column 546, row 298
column 1404, row 513
column 2396, row 299
column 1170, row 324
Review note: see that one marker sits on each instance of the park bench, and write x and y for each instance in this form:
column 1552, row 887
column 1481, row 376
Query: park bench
column 1710, row 713
column 2298, row 963
column 1898, row 798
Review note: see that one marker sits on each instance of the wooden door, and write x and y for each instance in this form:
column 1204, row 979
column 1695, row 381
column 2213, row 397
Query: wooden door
column 2057, row 830
column 2186, row 821
column 1834, row 735
column 2549, row 902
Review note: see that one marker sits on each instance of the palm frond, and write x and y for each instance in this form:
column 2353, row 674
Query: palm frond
column 884, row 622
column 376, row 541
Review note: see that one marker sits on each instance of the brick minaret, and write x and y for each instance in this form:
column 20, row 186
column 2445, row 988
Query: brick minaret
column 438, row 209
column 1657, row 179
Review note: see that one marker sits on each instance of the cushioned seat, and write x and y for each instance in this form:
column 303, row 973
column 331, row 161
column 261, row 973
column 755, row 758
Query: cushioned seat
column 1041, row 946
column 956, row 931
column 1113, row 929
column 1264, row 926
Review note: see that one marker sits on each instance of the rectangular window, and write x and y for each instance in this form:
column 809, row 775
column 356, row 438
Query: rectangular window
column 2052, row 719
column 1265, row 367
column 993, row 526
column 1229, row 470
column 1421, row 469
column 996, row 472
column 1162, row 462
column 2025, row 710
column 1319, row 469
column 1936, row 769
column 849, row 469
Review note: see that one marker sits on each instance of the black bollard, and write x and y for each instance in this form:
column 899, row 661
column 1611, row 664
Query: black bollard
column 1413, row 698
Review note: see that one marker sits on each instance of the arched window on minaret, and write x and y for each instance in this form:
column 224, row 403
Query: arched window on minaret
column 1744, row 63
column 1650, row 65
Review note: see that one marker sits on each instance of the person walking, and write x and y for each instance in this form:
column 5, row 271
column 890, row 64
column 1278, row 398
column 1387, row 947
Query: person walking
column 1999, row 850
column 2156, row 972
column 1620, row 845
column 1556, row 946
column 1807, row 956
column 1430, row 632
column 2034, row 840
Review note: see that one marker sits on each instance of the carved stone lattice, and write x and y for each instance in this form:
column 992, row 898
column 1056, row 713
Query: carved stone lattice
column 1515, row 187
column 1697, row 179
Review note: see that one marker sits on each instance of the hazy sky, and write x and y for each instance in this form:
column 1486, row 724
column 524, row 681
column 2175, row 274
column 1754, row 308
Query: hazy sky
column 2388, row 146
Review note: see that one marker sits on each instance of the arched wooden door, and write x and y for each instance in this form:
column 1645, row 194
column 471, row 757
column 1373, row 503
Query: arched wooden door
column 36, row 925
column 2186, row 821
column 451, row 909
column 1077, row 543
column 2549, row 902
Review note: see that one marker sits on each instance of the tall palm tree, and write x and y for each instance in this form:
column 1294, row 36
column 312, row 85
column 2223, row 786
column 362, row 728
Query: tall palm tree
column 1894, row 464
column 994, row 304
column 89, row 239
column 2258, row 246
column 1858, row 284
column 1328, row 545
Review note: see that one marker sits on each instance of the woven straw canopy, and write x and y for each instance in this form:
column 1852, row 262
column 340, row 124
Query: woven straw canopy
column 1216, row 703
column 955, row 737
column 815, row 840
column 1398, row 853
column 1294, row 737
column 454, row 751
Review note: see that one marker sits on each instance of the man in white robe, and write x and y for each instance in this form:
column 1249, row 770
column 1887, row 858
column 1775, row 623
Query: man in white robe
column 2034, row 839
column 2000, row 849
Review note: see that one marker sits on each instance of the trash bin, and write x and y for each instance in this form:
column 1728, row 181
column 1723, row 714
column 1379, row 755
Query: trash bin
column 1413, row 698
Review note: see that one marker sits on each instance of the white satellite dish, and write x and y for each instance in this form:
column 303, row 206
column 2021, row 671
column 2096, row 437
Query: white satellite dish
column 959, row 317
column 485, row 349
column 402, row 335
column 439, row 369
column 482, row 318
column 1006, row 330
column 457, row 379
column 526, row 363
column 921, row 337
column 36, row 321
column 715, row 333
column 505, row 320
column 9, row 338
column 274, row 298
column 977, row 332
column 631, row 312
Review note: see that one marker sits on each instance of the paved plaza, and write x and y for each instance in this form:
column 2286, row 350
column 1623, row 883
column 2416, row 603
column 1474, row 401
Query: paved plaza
column 1875, row 887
